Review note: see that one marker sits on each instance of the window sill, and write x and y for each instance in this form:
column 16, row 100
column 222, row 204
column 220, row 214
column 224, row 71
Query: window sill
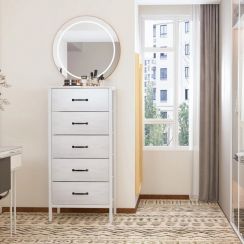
column 169, row 149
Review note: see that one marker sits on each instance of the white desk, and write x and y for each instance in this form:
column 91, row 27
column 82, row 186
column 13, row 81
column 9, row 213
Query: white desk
column 15, row 160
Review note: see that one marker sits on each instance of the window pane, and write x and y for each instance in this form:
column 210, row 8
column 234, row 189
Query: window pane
column 184, row 82
column 158, row 33
column 158, row 83
column 158, row 135
column 183, row 117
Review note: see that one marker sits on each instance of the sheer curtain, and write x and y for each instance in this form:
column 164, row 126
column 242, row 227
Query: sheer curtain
column 195, row 102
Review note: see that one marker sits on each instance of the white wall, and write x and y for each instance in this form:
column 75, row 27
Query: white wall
column 167, row 172
column 225, row 107
column 28, row 31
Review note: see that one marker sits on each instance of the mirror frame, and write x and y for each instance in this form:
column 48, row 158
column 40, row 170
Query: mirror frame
column 92, row 20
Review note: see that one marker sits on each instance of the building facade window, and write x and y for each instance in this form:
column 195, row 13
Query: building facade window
column 163, row 31
column 154, row 93
column 163, row 95
column 187, row 49
column 163, row 114
column 165, row 138
column 163, row 73
column 154, row 55
column 186, row 72
column 187, row 27
column 186, row 94
column 154, row 30
column 163, row 56
column 154, row 72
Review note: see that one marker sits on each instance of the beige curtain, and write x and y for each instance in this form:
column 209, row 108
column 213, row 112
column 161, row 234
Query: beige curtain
column 209, row 103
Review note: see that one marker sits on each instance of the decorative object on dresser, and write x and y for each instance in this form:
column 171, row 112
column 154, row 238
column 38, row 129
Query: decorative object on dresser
column 3, row 83
column 81, row 148
column 86, row 47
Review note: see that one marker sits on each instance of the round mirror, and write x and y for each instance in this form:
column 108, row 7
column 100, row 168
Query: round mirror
column 86, row 44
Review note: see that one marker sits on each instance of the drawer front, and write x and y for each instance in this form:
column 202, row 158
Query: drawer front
column 80, row 146
column 80, row 100
column 86, row 123
column 73, row 193
column 80, row 170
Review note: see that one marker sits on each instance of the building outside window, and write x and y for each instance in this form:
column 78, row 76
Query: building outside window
column 163, row 73
column 186, row 94
column 154, row 72
column 163, row 30
column 163, row 56
column 187, row 27
column 186, row 72
column 166, row 104
column 154, row 93
column 163, row 95
column 163, row 114
column 187, row 49
column 154, row 30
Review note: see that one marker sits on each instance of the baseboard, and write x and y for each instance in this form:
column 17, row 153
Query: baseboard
column 100, row 210
column 71, row 210
column 165, row 197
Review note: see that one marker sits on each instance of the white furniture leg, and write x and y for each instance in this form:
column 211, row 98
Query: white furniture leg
column 11, row 207
column 14, row 192
column 50, row 214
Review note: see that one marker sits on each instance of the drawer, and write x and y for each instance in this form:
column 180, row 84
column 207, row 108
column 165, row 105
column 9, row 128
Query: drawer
column 80, row 169
column 80, row 146
column 80, row 100
column 80, row 123
column 72, row 193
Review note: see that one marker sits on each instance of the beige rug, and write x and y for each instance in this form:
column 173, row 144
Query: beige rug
column 156, row 222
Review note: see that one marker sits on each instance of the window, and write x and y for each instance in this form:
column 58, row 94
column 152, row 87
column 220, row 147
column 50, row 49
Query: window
column 186, row 94
column 187, row 27
column 163, row 95
column 187, row 49
column 154, row 72
column 186, row 72
column 154, row 93
column 165, row 138
column 163, row 56
column 154, row 30
column 163, row 114
column 166, row 106
column 163, row 30
column 163, row 73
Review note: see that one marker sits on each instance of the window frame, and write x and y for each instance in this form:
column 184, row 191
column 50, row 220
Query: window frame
column 176, row 19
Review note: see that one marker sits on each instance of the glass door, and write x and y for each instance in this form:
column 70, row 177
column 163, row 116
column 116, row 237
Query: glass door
column 241, row 117
column 235, row 115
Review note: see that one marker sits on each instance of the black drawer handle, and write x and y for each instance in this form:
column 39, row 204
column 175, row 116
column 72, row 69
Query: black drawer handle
column 80, row 193
column 79, row 146
column 79, row 100
column 80, row 170
column 79, row 123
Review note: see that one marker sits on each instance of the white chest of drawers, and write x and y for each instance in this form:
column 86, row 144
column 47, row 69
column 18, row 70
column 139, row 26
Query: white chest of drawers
column 81, row 148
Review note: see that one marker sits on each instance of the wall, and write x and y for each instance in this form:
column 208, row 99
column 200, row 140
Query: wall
column 28, row 31
column 167, row 172
column 225, row 107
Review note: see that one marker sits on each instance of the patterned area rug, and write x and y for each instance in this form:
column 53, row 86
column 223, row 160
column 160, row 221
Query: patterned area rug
column 156, row 222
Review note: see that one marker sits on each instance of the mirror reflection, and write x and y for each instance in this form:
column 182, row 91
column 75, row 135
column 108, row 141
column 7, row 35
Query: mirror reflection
column 86, row 45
